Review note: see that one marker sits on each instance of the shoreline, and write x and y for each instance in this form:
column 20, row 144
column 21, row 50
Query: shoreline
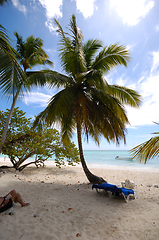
column 141, row 168
column 67, row 208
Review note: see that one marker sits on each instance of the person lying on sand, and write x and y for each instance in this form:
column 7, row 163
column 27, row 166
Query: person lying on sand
column 7, row 201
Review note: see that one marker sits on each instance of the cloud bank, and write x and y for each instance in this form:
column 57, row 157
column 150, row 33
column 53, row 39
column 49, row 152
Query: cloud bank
column 36, row 98
column 131, row 11
column 86, row 7
column 53, row 9
column 147, row 86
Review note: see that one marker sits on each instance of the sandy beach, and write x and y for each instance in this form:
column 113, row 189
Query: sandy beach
column 63, row 205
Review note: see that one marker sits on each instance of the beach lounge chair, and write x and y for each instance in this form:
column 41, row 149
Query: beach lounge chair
column 115, row 190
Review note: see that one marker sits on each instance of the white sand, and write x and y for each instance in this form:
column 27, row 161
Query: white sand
column 69, row 209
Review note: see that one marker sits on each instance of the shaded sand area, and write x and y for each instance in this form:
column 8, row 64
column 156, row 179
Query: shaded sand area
column 64, row 207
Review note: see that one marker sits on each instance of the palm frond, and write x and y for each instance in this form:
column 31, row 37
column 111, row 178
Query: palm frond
column 60, row 110
column 49, row 77
column 125, row 95
column 39, row 57
column 11, row 74
column 110, row 57
column 30, row 52
column 90, row 49
column 20, row 46
column 110, row 116
column 87, row 101
column 71, row 49
column 95, row 79
column 5, row 41
column 146, row 150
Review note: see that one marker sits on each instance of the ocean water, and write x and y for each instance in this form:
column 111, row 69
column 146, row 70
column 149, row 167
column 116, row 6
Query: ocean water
column 124, row 160
column 104, row 158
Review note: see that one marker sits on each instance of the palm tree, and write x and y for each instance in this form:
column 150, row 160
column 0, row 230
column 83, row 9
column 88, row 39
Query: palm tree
column 14, row 80
column 11, row 74
column 146, row 150
column 87, row 102
column 30, row 52
column 2, row 2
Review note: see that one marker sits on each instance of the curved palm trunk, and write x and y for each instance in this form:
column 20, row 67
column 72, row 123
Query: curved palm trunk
column 8, row 119
column 91, row 177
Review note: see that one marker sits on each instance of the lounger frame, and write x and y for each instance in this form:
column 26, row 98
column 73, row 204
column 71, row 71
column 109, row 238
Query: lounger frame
column 115, row 189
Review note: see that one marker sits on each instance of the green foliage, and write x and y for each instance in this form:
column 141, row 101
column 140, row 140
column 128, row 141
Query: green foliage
column 146, row 150
column 2, row 2
column 87, row 102
column 12, row 76
column 22, row 142
column 30, row 52
column 13, row 80
column 86, row 97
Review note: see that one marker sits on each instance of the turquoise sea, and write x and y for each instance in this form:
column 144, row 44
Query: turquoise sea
column 108, row 158
column 104, row 158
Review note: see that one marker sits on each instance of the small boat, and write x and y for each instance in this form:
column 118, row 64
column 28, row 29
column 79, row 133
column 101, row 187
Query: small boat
column 124, row 158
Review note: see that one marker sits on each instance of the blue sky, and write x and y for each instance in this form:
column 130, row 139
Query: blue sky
column 132, row 23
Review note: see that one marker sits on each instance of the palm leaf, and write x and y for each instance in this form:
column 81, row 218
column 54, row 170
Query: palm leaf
column 71, row 49
column 87, row 98
column 49, row 77
column 109, row 116
column 11, row 74
column 60, row 110
column 30, row 52
column 146, row 150
column 90, row 49
column 110, row 57
column 125, row 95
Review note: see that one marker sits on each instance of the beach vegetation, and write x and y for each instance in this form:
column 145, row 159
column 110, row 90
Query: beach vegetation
column 146, row 150
column 14, row 79
column 86, row 102
column 25, row 146
column 2, row 2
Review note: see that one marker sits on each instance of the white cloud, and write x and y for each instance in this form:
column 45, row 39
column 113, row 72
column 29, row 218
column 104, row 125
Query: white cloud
column 49, row 23
column 155, row 61
column 37, row 98
column 134, row 68
column 148, row 112
column 86, row 7
column 157, row 28
column 52, row 9
column 145, row 115
column 131, row 11
column 121, row 81
column 20, row 7
column 147, row 86
column 141, row 79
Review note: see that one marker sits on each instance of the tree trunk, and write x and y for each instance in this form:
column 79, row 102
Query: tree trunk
column 8, row 120
column 18, row 163
column 91, row 177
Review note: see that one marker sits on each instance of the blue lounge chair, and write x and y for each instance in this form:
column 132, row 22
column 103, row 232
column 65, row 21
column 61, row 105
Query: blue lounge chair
column 116, row 190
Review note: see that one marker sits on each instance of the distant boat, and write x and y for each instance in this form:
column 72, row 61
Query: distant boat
column 124, row 158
